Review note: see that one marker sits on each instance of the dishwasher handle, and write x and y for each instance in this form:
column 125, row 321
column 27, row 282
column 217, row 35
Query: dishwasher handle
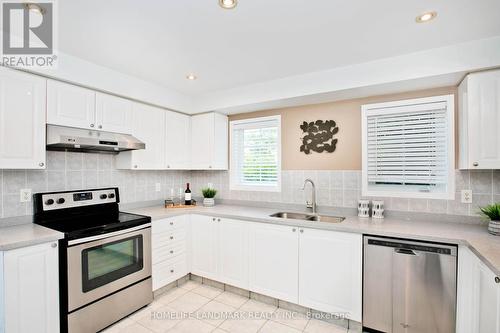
column 406, row 251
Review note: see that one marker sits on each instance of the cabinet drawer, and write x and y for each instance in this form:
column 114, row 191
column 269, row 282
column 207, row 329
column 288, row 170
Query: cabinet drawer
column 168, row 271
column 168, row 237
column 168, row 252
column 169, row 224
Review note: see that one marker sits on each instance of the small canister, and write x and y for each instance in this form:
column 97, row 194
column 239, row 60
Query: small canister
column 364, row 208
column 378, row 209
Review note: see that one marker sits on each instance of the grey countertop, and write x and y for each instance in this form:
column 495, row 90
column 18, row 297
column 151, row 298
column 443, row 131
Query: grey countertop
column 475, row 236
column 22, row 235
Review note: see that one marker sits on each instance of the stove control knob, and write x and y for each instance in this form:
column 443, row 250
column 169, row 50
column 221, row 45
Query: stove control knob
column 61, row 201
column 111, row 195
column 103, row 196
column 49, row 202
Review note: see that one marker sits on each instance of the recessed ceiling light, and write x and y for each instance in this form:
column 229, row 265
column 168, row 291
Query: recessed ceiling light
column 426, row 17
column 35, row 8
column 228, row 4
column 191, row 77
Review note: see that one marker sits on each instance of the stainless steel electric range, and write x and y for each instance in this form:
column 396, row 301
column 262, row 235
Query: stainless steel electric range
column 104, row 259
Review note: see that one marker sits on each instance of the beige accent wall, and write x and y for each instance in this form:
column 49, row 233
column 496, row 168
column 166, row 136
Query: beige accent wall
column 347, row 115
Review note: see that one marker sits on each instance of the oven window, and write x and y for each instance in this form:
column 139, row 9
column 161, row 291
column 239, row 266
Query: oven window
column 111, row 261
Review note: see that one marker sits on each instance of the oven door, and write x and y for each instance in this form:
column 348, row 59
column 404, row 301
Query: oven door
column 101, row 265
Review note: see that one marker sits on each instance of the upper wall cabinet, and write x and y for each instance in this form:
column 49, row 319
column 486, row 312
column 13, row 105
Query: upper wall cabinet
column 70, row 105
column 148, row 125
column 178, row 143
column 479, row 120
column 209, row 141
column 22, row 120
column 113, row 114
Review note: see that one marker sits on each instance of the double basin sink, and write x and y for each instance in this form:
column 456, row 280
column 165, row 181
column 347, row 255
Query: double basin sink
column 309, row 217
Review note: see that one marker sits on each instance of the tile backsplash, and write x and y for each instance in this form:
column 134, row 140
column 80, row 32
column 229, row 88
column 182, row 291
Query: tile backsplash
column 343, row 189
column 73, row 171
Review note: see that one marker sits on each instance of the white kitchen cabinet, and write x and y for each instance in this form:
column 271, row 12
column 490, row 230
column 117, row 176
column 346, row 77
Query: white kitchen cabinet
column 478, row 295
column 169, row 239
column 113, row 114
column 209, row 141
column 148, row 125
column 22, row 120
column 331, row 284
column 70, row 105
column 232, row 263
column 204, row 246
column 274, row 261
column 30, row 289
column 220, row 249
column 479, row 119
column 178, row 141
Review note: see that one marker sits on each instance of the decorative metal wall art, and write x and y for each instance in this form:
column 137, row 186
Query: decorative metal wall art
column 318, row 136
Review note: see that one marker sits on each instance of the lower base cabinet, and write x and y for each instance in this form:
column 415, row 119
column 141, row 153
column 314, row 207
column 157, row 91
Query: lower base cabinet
column 330, row 271
column 274, row 261
column 29, row 289
column 169, row 250
column 478, row 296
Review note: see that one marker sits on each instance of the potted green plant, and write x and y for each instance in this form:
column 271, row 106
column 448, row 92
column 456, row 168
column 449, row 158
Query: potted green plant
column 208, row 196
column 492, row 212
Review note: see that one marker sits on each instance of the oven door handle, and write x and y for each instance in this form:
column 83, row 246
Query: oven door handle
column 111, row 234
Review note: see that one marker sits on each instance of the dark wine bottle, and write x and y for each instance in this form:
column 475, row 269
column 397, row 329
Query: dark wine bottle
column 187, row 195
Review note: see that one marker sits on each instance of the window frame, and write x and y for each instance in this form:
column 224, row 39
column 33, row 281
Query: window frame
column 235, row 185
column 381, row 108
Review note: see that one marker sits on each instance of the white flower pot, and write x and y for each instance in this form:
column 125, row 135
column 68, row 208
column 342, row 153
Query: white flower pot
column 494, row 228
column 208, row 202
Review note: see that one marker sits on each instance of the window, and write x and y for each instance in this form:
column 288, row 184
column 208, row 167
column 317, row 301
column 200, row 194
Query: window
column 256, row 154
column 408, row 148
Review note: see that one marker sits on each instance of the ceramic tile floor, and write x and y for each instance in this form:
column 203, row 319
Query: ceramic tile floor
column 214, row 310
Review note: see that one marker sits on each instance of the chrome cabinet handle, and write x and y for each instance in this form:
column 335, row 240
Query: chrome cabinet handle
column 171, row 251
column 100, row 126
column 171, row 223
column 92, row 125
column 210, row 167
column 168, row 166
column 218, row 220
column 41, row 164
column 171, row 237
column 135, row 166
column 171, row 271
column 302, row 230
column 293, row 230
column 475, row 164
column 213, row 219
column 54, row 245
column 497, row 279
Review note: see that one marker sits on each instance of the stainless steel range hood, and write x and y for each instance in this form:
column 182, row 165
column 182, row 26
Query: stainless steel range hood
column 82, row 140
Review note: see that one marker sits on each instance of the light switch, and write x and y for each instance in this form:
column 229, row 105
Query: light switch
column 466, row 196
column 25, row 195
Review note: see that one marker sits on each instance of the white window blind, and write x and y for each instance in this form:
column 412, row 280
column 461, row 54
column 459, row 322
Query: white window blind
column 255, row 154
column 408, row 148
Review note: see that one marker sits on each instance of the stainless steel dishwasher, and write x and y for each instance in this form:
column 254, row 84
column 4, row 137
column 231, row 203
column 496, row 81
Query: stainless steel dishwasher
column 409, row 286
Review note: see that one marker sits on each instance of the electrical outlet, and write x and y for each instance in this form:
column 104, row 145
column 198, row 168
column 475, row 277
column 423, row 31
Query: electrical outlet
column 25, row 195
column 466, row 196
column 158, row 187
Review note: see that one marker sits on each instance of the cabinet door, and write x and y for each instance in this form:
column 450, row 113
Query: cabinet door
column 32, row 289
column 232, row 254
column 22, row 120
column 335, row 285
column 488, row 304
column 484, row 120
column 274, row 262
column 70, row 105
column 149, row 127
column 178, row 145
column 204, row 246
column 221, row 142
column 202, row 141
column 113, row 114
column 466, row 281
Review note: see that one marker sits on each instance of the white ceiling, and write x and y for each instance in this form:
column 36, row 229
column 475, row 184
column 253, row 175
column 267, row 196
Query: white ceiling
column 160, row 41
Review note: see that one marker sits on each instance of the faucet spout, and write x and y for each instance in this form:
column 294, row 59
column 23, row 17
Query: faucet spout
column 311, row 204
